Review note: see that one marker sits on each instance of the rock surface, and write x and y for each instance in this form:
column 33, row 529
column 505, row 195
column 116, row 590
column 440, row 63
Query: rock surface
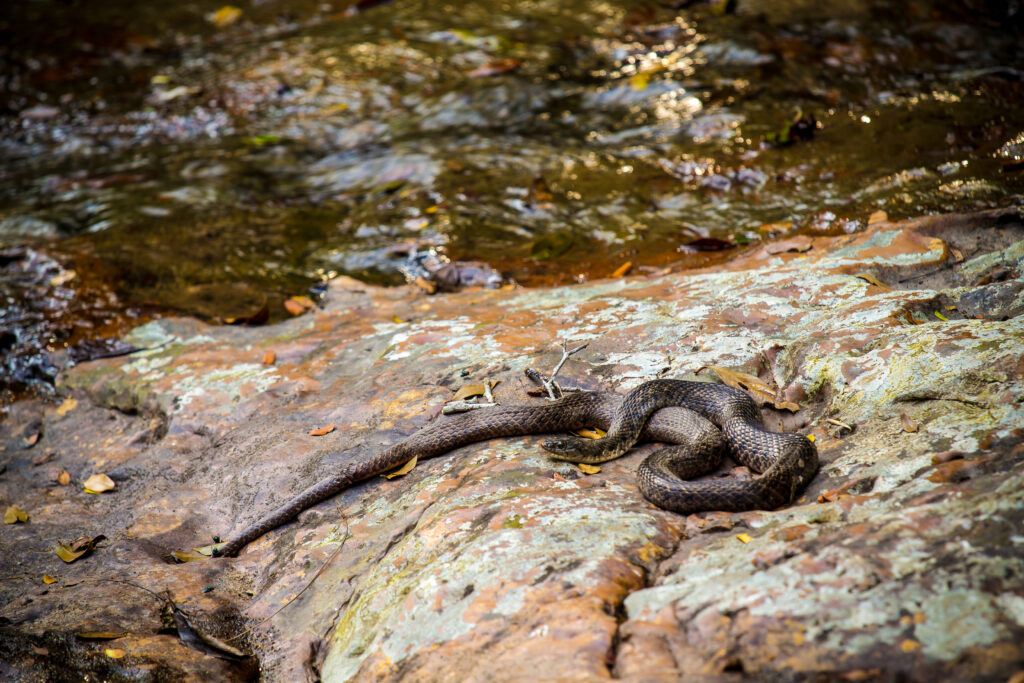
column 902, row 560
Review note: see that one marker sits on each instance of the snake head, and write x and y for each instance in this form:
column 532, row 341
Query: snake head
column 564, row 446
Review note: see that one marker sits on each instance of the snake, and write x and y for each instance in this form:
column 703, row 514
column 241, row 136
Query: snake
column 702, row 420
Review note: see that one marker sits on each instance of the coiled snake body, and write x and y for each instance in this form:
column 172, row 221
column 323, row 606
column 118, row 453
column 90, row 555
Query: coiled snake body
column 673, row 411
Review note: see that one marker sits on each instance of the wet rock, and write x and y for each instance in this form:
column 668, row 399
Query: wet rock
column 497, row 563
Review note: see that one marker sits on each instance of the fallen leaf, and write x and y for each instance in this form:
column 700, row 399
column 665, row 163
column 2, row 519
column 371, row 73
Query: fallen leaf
column 101, row 635
column 31, row 440
column 67, row 406
column 495, row 68
column 590, row 433
column 467, row 391
column 225, row 16
column 868, row 277
column 190, row 555
column 396, row 319
column 114, row 653
column 269, row 357
column 941, row 317
column 426, row 285
column 63, row 478
column 207, row 550
column 761, row 392
column 15, row 514
column 403, row 470
column 910, row 645
column 878, row 217
column 77, row 548
column 320, row 431
column 839, row 423
column 623, row 269
column 639, row 81
column 40, row 650
column 588, row 469
column 810, row 437
column 909, row 425
column 297, row 305
column 744, row 537
column 98, row 483
column 798, row 244
column 47, row 579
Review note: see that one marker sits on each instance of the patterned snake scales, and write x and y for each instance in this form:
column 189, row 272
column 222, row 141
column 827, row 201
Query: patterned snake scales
column 654, row 411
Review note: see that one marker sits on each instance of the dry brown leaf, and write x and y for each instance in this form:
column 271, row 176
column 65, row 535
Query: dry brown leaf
column 590, row 433
column 428, row 286
column 761, row 392
column 102, row 635
column 114, row 653
column 403, row 470
column 63, row 478
column 98, row 483
column 31, row 440
column 320, row 431
column 47, row 579
column 909, row 425
column 269, row 357
column 588, row 469
column 468, row 390
column 40, row 650
column 15, row 514
column 868, row 277
column 67, row 406
column 495, row 68
column 798, row 244
column 839, row 423
column 623, row 269
column 878, row 217
column 744, row 537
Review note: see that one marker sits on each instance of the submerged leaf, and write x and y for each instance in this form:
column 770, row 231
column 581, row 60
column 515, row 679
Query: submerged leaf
column 403, row 470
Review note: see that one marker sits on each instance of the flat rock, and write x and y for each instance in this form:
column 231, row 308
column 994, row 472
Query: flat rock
column 901, row 561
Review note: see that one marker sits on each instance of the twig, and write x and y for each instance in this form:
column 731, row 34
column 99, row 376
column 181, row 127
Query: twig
column 296, row 596
column 555, row 392
column 463, row 406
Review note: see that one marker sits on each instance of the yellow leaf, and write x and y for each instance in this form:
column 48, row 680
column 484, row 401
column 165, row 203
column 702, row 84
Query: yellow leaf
column 320, row 431
column 225, row 16
column 67, row 554
column 269, row 357
column 397, row 319
column 468, row 391
column 63, row 478
column 297, row 305
column 639, row 81
column 878, row 217
column 868, row 277
column 744, row 537
column 761, row 392
column 941, row 317
column 403, row 470
column 15, row 514
column 160, row 79
column 590, row 433
column 98, row 483
column 910, row 645
column 588, row 469
column 47, row 579
column 623, row 269
column 189, row 555
column 67, row 406
column 810, row 437
column 334, row 108
column 207, row 550
column 115, row 653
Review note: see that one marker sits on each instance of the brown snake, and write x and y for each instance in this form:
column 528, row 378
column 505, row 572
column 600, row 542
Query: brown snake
column 654, row 411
